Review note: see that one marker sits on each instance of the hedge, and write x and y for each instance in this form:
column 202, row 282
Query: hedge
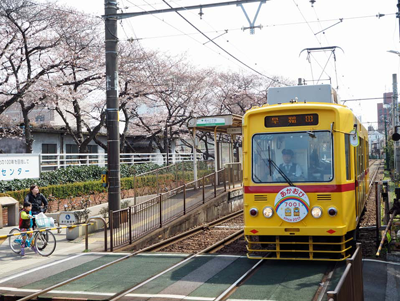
column 90, row 187
column 73, row 174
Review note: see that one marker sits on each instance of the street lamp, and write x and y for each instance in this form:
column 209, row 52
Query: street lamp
column 394, row 51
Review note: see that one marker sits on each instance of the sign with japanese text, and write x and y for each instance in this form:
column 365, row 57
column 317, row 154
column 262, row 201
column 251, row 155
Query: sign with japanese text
column 292, row 204
column 67, row 218
column 210, row 121
column 14, row 166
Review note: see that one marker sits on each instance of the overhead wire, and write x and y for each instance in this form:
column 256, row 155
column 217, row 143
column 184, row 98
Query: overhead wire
column 215, row 30
column 183, row 34
column 224, row 50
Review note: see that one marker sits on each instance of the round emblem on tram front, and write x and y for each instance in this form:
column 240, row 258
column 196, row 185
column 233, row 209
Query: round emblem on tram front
column 292, row 204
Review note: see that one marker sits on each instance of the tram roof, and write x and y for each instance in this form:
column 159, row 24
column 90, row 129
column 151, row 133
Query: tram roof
column 344, row 111
column 228, row 124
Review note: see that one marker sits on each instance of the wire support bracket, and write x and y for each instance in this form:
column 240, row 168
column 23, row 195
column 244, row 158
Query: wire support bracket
column 251, row 23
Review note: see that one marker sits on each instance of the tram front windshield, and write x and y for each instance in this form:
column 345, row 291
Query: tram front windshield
column 300, row 156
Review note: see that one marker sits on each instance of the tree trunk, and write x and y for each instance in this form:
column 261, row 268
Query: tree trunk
column 27, row 128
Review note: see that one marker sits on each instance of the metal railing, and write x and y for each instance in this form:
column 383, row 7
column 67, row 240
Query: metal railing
column 165, row 207
column 55, row 161
column 350, row 286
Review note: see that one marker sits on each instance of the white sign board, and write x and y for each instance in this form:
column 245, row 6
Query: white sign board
column 234, row 131
column 210, row 121
column 14, row 166
column 67, row 218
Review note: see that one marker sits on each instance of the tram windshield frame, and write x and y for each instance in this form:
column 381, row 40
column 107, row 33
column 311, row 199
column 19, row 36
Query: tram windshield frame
column 304, row 157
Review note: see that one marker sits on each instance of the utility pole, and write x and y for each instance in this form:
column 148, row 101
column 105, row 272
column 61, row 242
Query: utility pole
column 113, row 151
column 386, row 148
column 111, row 35
column 396, row 123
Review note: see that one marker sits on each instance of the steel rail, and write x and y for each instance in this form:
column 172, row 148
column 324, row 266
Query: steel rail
column 122, row 294
column 48, row 289
column 194, row 231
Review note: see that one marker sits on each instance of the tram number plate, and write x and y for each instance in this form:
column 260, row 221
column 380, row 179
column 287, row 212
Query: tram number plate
column 291, row 120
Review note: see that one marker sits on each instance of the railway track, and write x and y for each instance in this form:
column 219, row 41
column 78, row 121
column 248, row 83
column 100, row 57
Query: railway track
column 221, row 234
column 162, row 245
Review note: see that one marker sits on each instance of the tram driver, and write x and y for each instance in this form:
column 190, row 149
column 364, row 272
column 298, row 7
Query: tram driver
column 292, row 170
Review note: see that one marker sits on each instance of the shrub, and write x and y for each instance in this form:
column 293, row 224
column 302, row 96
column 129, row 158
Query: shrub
column 73, row 174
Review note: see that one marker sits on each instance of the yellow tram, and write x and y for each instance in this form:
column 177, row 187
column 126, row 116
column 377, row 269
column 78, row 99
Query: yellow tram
column 305, row 175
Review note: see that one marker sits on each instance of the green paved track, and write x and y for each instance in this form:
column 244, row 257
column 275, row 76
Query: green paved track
column 282, row 281
column 70, row 273
column 171, row 277
column 221, row 281
column 123, row 275
column 112, row 279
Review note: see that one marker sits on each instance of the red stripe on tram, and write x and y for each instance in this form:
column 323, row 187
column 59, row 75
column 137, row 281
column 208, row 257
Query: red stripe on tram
column 305, row 188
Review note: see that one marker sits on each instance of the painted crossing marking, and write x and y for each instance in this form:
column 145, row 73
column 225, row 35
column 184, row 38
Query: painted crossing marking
column 69, row 293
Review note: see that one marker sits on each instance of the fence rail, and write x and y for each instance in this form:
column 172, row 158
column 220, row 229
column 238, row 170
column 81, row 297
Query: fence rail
column 50, row 162
column 130, row 224
column 350, row 286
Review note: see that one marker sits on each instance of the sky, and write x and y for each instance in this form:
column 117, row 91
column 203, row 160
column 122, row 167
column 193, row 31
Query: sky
column 363, row 67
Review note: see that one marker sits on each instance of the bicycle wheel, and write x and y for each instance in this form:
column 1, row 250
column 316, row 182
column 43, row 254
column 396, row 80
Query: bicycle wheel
column 15, row 241
column 45, row 243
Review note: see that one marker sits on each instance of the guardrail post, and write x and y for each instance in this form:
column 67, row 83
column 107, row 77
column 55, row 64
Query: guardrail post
column 215, row 184
column 160, row 210
column 225, row 179
column 157, row 181
column 110, row 219
column 134, row 190
column 204, row 196
column 229, row 176
column 86, row 237
column 105, row 232
column 378, row 211
column 130, row 224
column 184, row 199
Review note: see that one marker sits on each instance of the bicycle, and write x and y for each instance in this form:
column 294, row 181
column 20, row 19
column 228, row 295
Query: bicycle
column 44, row 240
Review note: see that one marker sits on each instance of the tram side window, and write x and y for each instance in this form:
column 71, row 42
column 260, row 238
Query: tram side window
column 347, row 154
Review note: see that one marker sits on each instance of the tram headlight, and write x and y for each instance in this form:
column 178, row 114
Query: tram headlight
column 332, row 211
column 253, row 212
column 268, row 212
column 316, row 212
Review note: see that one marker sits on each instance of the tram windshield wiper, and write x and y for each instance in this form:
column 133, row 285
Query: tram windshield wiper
column 271, row 162
column 311, row 134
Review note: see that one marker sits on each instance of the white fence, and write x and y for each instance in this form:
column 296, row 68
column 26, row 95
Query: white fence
column 55, row 161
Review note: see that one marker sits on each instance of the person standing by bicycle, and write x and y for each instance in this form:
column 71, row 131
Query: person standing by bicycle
column 38, row 201
column 25, row 224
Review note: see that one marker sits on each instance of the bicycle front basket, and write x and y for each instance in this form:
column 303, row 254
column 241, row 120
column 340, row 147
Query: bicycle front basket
column 45, row 222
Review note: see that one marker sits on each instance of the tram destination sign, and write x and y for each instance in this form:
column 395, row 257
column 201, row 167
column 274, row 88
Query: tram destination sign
column 291, row 120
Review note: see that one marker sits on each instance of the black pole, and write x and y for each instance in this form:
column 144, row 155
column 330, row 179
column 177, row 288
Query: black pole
column 386, row 149
column 113, row 151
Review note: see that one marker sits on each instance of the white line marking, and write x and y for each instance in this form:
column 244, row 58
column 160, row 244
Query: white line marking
column 381, row 261
column 40, row 268
column 248, row 300
column 54, row 263
column 180, row 297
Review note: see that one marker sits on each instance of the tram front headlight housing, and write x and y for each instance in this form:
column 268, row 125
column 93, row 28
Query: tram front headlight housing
column 268, row 212
column 253, row 212
column 332, row 211
column 316, row 212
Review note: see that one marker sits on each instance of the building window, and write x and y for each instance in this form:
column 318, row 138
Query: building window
column 92, row 149
column 49, row 148
column 39, row 118
column 71, row 149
